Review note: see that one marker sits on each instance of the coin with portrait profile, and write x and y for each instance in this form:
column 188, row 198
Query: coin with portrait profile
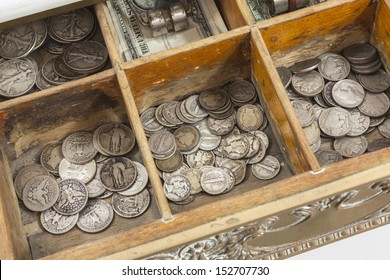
column 351, row 146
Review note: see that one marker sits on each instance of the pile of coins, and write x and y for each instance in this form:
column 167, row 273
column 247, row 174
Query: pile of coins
column 91, row 167
column 344, row 100
column 69, row 53
column 204, row 142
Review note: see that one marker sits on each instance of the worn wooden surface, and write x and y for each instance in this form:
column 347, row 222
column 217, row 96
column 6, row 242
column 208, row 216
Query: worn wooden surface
column 235, row 13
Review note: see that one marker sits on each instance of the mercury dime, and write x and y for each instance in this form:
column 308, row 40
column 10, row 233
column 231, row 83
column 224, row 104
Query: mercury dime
column 51, row 157
column 237, row 167
column 169, row 113
column 231, row 180
column 193, row 175
column 40, row 193
column 214, row 180
column 160, row 118
column 131, row 206
column 187, row 138
column 86, row 57
column 348, row 93
column 170, row 164
column 166, row 175
column 81, row 172
column 334, row 67
column 73, row 197
column 177, row 188
column 213, row 99
column 375, row 104
column 360, row 53
column 17, row 77
column 140, row 182
column 384, row 128
column 115, row 139
column 326, row 157
column 221, row 127
column 360, row 123
column 149, row 121
column 56, row 223
column 25, row 174
column 17, row 41
column 308, row 84
column 241, row 91
column 376, row 83
column 162, row 142
column 305, row 65
column 235, row 146
column 249, row 117
column 193, row 107
column 208, row 141
column 267, row 169
column 254, row 144
column 285, row 75
column 96, row 216
column 263, row 137
column 335, row 122
column 73, row 26
column 78, row 148
column 118, row 174
column 304, row 112
column 200, row 158
column 183, row 115
column 351, row 146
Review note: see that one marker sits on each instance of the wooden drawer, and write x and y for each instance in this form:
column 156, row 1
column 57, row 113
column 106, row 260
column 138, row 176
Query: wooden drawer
column 241, row 218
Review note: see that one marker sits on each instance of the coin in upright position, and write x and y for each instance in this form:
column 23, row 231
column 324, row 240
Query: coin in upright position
column 118, row 174
column 115, row 139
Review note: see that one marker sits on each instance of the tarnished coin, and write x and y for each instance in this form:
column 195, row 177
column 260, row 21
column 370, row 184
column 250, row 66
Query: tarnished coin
column 162, row 142
column 308, row 84
column 177, row 188
column 249, row 117
column 140, row 182
column 73, row 197
column 351, row 146
column 235, row 146
column 285, row 75
column 166, row 175
column 63, row 71
column 95, row 186
column 40, row 193
column 85, row 57
column 316, row 146
column 200, row 158
column 73, row 26
column 193, row 107
column 17, row 41
column 334, row 67
column 188, row 200
column 118, row 174
column 378, row 145
column 160, row 118
column 305, row 65
column 208, row 141
column 49, row 75
column 360, row 123
column 263, row 137
column 51, row 157
column 367, row 71
column 170, row 164
column 267, row 169
column 131, row 206
column 327, row 94
column 231, row 180
column 41, row 83
column 106, row 194
column 54, row 47
column 360, row 53
column 212, row 100
column 384, row 128
column 241, row 91
column 40, row 29
column 115, row 139
column 183, row 115
column 304, row 112
column 82, row 172
column 169, row 113
column 376, row 83
column 149, row 121
column 78, row 148
column 96, row 216
column 312, row 133
column 254, row 144
column 375, row 104
column 214, row 180
column 56, row 223
column 187, row 138
column 17, row 77
column 237, row 167
column 348, row 93
column 326, row 157
column 260, row 153
column 25, row 174
column 335, row 122
column 374, row 122
column 193, row 175
column 221, row 127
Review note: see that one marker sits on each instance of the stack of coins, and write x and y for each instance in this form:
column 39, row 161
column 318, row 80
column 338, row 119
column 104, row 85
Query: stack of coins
column 345, row 100
column 65, row 43
column 204, row 142
column 91, row 167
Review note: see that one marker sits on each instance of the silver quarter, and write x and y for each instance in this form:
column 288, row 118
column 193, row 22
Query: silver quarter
column 140, row 182
column 334, row 67
column 78, row 148
column 177, row 188
column 51, row 157
column 55, row 223
column 351, row 146
column 131, row 206
column 17, row 77
column 96, row 216
column 82, row 172
column 40, row 193
column 115, row 139
column 118, row 174
column 25, row 174
column 267, row 169
column 73, row 197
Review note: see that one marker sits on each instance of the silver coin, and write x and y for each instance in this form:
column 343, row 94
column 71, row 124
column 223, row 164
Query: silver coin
column 188, row 200
column 235, row 146
column 131, row 206
column 334, row 67
column 17, row 77
column 351, row 146
column 187, row 138
column 162, row 142
column 285, row 76
column 305, row 65
column 312, row 133
column 308, row 84
column 254, row 144
column 149, row 121
column 49, row 75
column 318, row 111
column 118, row 174
column 95, row 186
column 177, row 188
column 237, row 167
column 41, row 83
column 367, row 71
column 193, row 107
column 78, row 148
column 86, row 57
column 200, row 158
column 241, row 91
column 181, row 111
column 348, row 93
column 56, row 223
column 170, row 164
column 249, row 117
column 17, row 41
column 54, row 47
column 73, row 26
column 214, row 180
column 304, row 112
column 376, row 83
column 267, row 169
column 231, row 180
column 61, row 70
column 51, row 157
column 374, row 122
column 40, row 29
column 73, row 197
column 25, row 174
column 193, row 175
column 166, row 175
column 335, row 122
column 327, row 94
column 360, row 53
column 140, row 182
column 221, row 127
column 326, row 157
column 375, row 104
column 82, row 172
column 384, row 128
column 263, row 137
column 169, row 113
column 360, row 123
column 96, row 216
column 106, row 194
column 115, row 139
column 40, row 193
column 208, row 141
column 316, row 146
